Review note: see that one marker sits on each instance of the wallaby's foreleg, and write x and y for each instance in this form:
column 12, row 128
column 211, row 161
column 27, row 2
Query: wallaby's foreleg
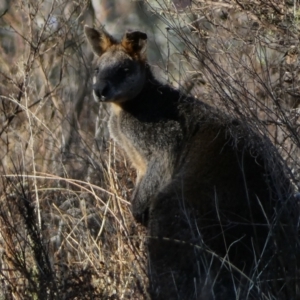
column 147, row 188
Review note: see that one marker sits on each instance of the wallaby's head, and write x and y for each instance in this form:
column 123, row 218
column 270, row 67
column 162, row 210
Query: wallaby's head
column 121, row 66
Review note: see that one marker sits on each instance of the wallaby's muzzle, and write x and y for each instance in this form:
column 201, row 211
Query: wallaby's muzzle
column 101, row 91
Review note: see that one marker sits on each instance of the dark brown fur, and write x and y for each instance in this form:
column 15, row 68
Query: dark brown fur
column 213, row 193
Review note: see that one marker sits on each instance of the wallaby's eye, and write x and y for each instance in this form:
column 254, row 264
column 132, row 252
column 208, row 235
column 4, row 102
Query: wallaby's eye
column 96, row 71
column 123, row 72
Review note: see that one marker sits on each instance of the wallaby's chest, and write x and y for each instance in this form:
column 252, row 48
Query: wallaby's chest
column 148, row 131
column 144, row 135
column 124, row 135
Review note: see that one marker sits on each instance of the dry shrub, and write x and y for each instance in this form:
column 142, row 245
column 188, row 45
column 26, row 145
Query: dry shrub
column 61, row 235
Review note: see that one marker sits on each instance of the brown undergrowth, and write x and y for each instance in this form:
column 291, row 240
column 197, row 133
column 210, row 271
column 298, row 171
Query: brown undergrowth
column 84, row 244
column 66, row 230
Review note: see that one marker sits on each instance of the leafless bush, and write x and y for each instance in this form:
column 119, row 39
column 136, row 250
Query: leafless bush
column 61, row 237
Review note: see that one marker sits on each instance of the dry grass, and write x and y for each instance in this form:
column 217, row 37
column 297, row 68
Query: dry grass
column 61, row 235
column 66, row 231
column 85, row 246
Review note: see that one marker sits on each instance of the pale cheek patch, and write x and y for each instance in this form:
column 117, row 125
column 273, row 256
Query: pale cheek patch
column 96, row 98
column 94, row 79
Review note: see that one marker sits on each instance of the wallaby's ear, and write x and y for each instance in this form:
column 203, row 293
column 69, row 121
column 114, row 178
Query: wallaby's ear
column 99, row 40
column 135, row 42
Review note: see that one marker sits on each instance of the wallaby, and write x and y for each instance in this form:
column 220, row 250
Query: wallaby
column 214, row 193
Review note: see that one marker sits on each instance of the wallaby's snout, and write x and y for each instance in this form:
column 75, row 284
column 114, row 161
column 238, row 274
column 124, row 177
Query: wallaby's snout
column 101, row 91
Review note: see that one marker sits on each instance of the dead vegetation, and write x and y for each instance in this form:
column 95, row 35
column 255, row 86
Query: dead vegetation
column 66, row 231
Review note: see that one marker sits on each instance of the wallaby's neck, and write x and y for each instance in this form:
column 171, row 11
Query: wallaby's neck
column 149, row 92
column 152, row 86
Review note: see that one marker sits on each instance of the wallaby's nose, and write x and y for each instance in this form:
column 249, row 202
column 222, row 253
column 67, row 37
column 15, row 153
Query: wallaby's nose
column 101, row 90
